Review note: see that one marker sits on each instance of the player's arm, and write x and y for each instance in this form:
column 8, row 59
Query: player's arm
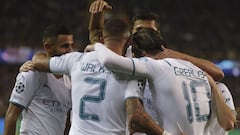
column 237, row 123
column 140, row 121
column 96, row 22
column 40, row 62
column 120, row 64
column 26, row 85
column 58, row 64
column 227, row 98
column 204, row 64
column 11, row 117
column 225, row 116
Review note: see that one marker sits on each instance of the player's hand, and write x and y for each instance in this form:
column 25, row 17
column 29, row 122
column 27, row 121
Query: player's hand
column 99, row 6
column 168, row 53
column 165, row 53
column 27, row 66
column 89, row 48
column 134, row 128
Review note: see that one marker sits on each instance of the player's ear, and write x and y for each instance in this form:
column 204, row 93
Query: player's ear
column 47, row 46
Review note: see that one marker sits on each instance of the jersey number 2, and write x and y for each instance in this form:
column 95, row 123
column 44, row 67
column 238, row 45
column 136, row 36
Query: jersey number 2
column 89, row 98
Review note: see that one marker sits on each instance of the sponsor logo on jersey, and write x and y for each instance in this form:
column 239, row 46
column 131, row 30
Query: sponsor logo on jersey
column 54, row 106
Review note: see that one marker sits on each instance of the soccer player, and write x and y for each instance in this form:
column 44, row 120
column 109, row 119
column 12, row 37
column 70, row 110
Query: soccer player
column 43, row 99
column 98, row 95
column 181, row 92
column 144, row 20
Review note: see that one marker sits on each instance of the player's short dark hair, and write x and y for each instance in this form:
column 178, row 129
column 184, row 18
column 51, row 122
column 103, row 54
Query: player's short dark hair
column 52, row 31
column 146, row 15
column 115, row 28
column 148, row 40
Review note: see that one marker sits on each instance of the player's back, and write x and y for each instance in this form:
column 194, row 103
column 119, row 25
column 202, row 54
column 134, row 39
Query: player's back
column 182, row 96
column 98, row 99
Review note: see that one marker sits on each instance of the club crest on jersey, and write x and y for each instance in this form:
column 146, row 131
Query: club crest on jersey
column 19, row 88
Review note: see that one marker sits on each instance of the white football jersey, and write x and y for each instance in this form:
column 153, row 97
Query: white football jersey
column 180, row 90
column 97, row 95
column 214, row 126
column 148, row 102
column 46, row 102
column 147, row 96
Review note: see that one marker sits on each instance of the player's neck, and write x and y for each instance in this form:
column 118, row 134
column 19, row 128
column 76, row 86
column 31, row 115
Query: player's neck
column 115, row 47
column 58, row 76
column 153, row 56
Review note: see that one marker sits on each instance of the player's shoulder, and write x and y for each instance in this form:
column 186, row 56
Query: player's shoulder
column 184, row 63
column 148, row 60
column 169, row 62
column 32, row 74
column 74, row 54
column 177, row 61
column 223, row 87
column 70, row 57
column 89, row 56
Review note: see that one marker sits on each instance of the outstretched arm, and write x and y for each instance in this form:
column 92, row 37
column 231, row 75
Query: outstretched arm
column 120, row 64
column 40, row 62
column 225, row 116
column 204, row 64
column 97, row 9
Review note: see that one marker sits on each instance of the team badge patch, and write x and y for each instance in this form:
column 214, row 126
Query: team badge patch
column 19, row 87
column 141, row 84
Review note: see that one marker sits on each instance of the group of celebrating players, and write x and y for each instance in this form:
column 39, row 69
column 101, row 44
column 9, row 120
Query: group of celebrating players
column 126, row 82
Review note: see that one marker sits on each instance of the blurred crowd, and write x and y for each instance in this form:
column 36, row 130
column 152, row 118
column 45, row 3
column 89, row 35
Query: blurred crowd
column 207, row 29
column 203, row 28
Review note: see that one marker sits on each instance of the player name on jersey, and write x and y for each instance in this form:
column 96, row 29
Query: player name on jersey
column 95, row 68
column 188, row 72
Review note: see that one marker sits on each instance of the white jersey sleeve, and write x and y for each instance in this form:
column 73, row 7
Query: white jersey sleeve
column 226, row 95
column 63, row 64
column 135, row 67
column 27, row 83
column 120, row 64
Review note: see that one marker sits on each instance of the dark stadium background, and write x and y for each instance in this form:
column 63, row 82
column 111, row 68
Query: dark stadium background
column 203, row 28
